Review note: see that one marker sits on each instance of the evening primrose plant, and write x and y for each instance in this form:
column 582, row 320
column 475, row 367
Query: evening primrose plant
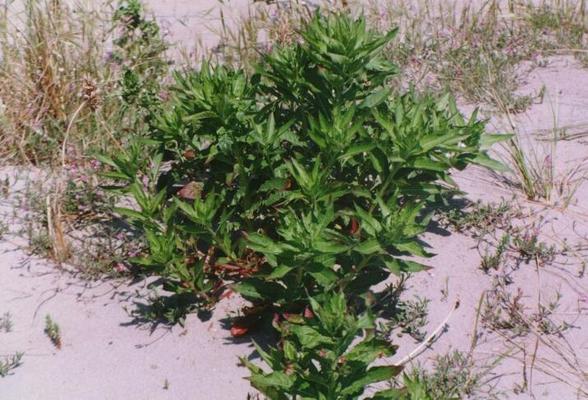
column 304, row 177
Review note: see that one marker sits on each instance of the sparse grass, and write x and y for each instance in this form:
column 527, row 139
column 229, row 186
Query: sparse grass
column 534, row 169
column 474, row 50
column 4, row 187
column 79, row 228
column 71, row 76
column 55, row 83
column 8, row 362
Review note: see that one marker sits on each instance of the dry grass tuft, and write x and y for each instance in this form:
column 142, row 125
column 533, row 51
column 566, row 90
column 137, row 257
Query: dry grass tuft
column 55, row 81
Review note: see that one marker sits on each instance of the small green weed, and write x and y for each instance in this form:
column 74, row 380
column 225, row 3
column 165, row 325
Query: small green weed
column 5, row 187
column 530, row 248
column 453, row 376
column 53, row 332
column 6, row 322
column 8, row 363
column 409, row 317
column 3, row 229
column 492, row 261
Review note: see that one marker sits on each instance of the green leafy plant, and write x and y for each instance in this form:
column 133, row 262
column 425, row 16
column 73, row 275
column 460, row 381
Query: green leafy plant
column 320, row 358
column 139, row 49
column 304, row 177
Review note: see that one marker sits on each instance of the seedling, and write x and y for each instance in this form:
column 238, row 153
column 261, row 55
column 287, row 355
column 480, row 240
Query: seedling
column 53, row 332
column 6, row 322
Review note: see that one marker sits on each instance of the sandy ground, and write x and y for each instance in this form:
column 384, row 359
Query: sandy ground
column 106, row 356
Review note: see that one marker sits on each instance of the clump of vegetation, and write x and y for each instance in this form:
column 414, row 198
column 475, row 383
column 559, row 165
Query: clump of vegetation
column 6, row 322
column 53, row 332
column 8, row 363
column 480, row 219
column 306, row 176
column 62, row 97
column 492, row 261
column 408, row 317
column 3, row 229
column 453, row 376
column 530, row 248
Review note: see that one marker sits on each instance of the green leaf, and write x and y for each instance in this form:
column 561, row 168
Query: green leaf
column 428, row 164
column 484, row 160
column 413, row 248
column 131, row 214
column 259, row 290
column 429, row 143
column 280, row 271
column 263, row 244
column 357, row 149
column 329, row 247
column 487, row 140
column 397, row 266
column 376, row 98
column 370, row 350
column 368, row 247
column 276, row 379
column 373, row 375
column 323, row 275
column 309, row 337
